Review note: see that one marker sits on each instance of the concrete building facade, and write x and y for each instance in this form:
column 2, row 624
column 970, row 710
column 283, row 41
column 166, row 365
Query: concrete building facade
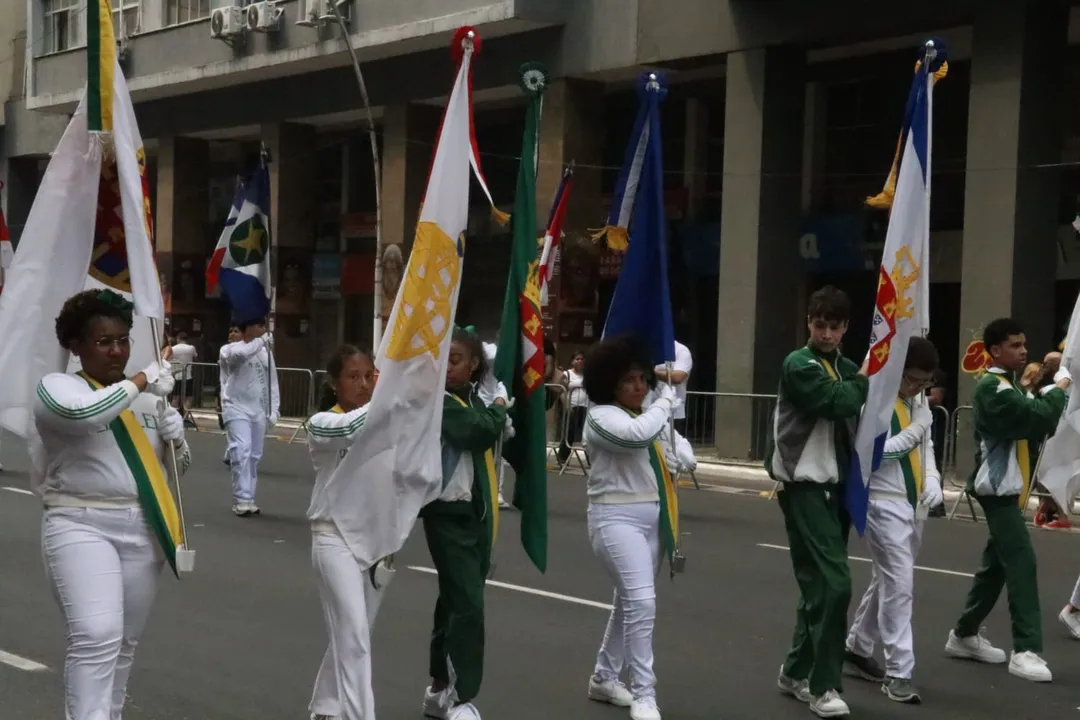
column 781, row 118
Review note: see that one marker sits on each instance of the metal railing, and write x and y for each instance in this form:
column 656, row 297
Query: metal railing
column 199, row 388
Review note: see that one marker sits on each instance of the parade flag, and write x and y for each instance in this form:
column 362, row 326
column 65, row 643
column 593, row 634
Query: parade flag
column 89, row 227
column 900, row 309
column 395, row 466
column 553, row 237
column 641, row 303
column 241, row 261
column 519, row 362
column 1059, row 464
column 7, row 252
column 627, row 193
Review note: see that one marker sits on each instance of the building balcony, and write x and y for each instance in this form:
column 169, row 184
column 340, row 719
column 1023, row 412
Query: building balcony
column 163, row 60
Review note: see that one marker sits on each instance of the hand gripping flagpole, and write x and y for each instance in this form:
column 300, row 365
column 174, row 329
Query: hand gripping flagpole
column 378, row 290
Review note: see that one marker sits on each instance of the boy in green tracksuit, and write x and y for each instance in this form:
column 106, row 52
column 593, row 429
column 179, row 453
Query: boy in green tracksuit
column 1009, row 426
column 818, row 404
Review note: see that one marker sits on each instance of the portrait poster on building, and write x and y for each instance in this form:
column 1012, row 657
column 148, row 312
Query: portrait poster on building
column 393, row 271
column 293, row 267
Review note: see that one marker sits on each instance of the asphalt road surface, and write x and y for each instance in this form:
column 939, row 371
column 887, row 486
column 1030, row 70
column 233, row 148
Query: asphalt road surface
column 241, row 638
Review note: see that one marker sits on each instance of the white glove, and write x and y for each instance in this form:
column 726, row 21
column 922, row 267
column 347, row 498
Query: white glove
column 923, row 415
column 268, row 340
column 500, row 392
column 1062, row 374
column 931, row 495
column 509, row 404
column 666, row 392
column 508, row 430
column 159, row 379
column 170, row 425
column 273, row 419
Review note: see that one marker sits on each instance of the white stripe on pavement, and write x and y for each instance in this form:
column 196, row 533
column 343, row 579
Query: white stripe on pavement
column 17, row 490
column 529, row 591
column 19, row 662
column 940, row 571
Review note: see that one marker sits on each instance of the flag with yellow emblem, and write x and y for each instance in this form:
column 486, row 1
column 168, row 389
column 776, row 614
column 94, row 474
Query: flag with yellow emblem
column 394, row 467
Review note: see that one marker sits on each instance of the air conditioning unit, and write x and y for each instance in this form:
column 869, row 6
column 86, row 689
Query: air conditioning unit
column 227, row 22
column 307, row 12
column 264, row 17
column 326, row 11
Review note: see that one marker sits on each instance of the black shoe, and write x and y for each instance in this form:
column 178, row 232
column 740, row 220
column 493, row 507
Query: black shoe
column 863, row 667
column 938, row 510
column 901, row 691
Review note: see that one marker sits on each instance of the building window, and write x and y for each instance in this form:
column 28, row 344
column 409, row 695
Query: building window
column 62, row 23
column 125, row 17
column 182, row 11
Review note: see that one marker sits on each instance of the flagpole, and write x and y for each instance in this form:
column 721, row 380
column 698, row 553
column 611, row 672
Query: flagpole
column 264, row 159
column 377, row 328
column 930, row 55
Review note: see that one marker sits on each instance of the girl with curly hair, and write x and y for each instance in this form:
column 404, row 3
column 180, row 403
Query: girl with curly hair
column 633, row 510
column 350, row 593
column 103, row 437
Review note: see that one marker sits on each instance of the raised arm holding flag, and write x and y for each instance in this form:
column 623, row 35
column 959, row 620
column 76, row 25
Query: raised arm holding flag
column 81, row 317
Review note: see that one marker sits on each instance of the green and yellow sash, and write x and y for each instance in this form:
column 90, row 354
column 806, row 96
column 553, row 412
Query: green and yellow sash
column 910, row 463
column 156, row 499
column 337, row 409
column 1023, row 456
column 491, row 486
column 669, row 499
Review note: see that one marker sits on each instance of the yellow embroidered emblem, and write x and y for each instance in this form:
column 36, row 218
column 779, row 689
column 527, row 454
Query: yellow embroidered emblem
column 904, row 275
column 424, row 316
column 532, row 283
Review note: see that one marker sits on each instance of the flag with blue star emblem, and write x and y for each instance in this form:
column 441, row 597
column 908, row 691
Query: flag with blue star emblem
column 241, row 261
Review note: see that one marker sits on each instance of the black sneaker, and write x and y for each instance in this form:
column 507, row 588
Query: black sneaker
column 938, row 511
column 901, row 691
column 863, row 667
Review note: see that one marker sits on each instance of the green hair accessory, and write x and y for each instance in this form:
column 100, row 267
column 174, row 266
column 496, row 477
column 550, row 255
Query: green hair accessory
column 117, row 301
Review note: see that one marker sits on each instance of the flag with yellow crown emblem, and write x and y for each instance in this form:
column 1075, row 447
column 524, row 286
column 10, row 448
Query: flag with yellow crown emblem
column 394, row 467
column 519, row 364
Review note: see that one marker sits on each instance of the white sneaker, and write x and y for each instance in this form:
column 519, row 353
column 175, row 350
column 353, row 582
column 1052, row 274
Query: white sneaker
column 435, row 704
column 324, row 717
column 612, row 693
column 1070, row 620
column 1029, row 666
column 644, row 709
column 254, row 509
column 464, row 711
column 975, row 647
column 798, row 689
column 829, row 705
column 241, row 509
column 503, row 505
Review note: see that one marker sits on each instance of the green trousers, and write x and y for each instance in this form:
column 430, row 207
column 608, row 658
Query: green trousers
column 1008, row 561
column 817, row 528
column 454, row 533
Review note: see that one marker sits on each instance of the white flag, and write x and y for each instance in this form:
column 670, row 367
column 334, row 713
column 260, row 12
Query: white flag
column 395, row 466
column 1059, row 464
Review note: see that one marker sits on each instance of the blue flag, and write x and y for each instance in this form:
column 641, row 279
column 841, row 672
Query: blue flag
column 642, row 301
column 241, row 261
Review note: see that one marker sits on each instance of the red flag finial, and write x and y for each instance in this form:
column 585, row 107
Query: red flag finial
column 465, row 34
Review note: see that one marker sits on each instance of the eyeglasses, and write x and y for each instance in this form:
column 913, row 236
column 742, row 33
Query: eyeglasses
column 918, row 382
column 110, row 343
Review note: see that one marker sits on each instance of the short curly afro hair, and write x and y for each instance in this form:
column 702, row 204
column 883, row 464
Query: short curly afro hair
column 608, row 360
column 74, row 320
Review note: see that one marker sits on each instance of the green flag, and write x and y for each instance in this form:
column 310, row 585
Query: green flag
column 519, row 363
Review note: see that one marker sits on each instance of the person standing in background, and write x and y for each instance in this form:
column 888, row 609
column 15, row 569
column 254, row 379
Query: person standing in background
column 577, row 405
column 183, row 355
column 249, row 405
column 678, row 379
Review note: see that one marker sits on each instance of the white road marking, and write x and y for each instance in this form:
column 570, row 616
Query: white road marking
column 17, row 490
column 529, row 591
column 20, row 663
column 939, row 571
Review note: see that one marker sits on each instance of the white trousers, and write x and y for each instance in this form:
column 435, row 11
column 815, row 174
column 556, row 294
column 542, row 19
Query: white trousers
column 1075, row 600
column 245, row 438
column 893, row 536
column 103, row 566
column 626, row 538
column 350, row 603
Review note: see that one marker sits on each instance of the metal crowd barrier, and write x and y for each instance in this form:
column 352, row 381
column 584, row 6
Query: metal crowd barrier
column 729, row 426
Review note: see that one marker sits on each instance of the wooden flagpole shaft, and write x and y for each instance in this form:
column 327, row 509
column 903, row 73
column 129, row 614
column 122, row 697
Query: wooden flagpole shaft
column 155, row 331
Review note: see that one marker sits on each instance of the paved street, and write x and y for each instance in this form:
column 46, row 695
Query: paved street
column 242, row 637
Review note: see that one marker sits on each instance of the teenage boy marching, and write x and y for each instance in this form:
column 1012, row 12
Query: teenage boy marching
column 1009, row 426
column 821, row 394
column 904, row 488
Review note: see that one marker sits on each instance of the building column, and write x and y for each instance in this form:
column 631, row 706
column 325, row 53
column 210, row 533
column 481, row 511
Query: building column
column 759, row 249
column 1009, row 261
column 571, row 129
column 181, row 232
column 20, row 186
column 408, row 143
column 293, row 219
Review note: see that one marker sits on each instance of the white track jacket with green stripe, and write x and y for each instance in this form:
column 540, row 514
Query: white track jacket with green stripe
column 330, row 435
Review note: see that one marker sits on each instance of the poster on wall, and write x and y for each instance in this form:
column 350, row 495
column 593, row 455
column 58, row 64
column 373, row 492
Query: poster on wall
column 326, row 276
column 293, row 279
column 165, row 268
column 393, row 271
